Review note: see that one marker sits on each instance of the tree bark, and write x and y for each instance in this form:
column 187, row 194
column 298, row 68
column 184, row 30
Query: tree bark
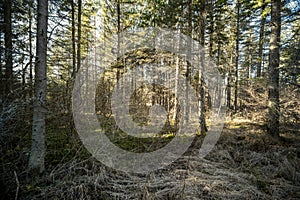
column 211, row 31
column 79, row 36
column 273, row 87
column 237, row 58
column 119, row 37
column 73, row 40
column 201, row 103
column 38, row 148
column 229, row 81
column 30, row 51
column 261, row 40
column 175, row 116
column 187, row 74
column 8, row 46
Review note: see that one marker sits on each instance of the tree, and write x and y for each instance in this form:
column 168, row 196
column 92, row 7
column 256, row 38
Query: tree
column 261, row 38
column 70, row 42
column 38, row 148
column 201, row 82
column 237, row 57
column 273, row 86
column 79, row 35
column 30, row 49
column 8, row 46
column 73, row 39
column 290, row 51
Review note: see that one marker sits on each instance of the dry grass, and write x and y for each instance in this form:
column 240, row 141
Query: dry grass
column 245, row 164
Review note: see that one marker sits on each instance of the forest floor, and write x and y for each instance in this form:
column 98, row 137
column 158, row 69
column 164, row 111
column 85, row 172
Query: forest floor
column 245, row 164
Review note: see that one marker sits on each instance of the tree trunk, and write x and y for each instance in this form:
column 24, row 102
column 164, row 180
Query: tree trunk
column 237, row 58
column 201, row 103
column 38, row 148
column 273, row 87
column 79, row 36
column 189, row 33
column 175, row 116
column 249, row 63
column 118, row 27
column 73, row 40
column 211, row 34
column 30, row 51
column 8, row 46
column 229, row 81
column 261, row 40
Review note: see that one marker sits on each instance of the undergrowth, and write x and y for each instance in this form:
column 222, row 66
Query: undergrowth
column 246, row 163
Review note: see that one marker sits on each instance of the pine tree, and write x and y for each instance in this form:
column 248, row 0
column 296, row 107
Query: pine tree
column 273, row 85
column 38, row 148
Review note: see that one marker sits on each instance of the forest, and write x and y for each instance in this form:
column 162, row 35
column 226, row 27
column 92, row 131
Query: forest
column 149, row 99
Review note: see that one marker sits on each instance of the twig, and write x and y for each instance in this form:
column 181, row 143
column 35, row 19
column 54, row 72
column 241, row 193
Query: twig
column 18, row 185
